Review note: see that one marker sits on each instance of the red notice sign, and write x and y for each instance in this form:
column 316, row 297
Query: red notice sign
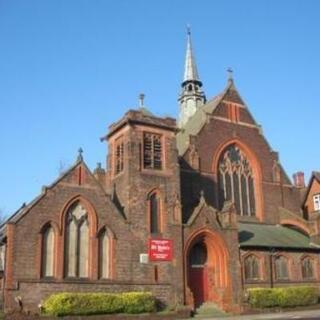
column 160, row 250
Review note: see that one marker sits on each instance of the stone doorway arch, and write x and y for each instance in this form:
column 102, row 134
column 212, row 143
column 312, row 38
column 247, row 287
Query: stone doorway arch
column 207, row 269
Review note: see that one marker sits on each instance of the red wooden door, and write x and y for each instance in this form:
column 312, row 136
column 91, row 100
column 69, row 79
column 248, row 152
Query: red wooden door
column 198, row 283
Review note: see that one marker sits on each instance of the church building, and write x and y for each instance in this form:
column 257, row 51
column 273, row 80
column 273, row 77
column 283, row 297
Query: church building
column 193, row 211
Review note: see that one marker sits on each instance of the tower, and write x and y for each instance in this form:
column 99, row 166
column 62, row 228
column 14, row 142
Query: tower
column 191, row 97
column 145, row 180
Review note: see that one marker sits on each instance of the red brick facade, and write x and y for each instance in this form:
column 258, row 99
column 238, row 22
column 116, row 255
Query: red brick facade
column 189, row 212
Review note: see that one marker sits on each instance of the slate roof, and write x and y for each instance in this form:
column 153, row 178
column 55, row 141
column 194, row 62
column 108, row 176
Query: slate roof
column 273, row 236
column 195, row 124
column 198, row 120
column 15, row 217
column 314, row 175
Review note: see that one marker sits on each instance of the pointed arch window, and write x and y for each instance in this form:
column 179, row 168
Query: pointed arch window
column 236, row 181
column 252, row 268
column 48, row 239
column 154, row 213
column 77, row 242
column 281, row 268
column 104, row 254
column 307, row 268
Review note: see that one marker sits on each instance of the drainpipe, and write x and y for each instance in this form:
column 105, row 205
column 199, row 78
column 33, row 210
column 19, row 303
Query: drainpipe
column 281, row 190
column 184, row 278
column 241, row 270
column 271, row 266
column 4, row 275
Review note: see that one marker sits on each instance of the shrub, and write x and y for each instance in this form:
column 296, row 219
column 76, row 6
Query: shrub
column 63, row 304
column 283, row 297
column 297, row 296
column 262, row 298
column 138, row 302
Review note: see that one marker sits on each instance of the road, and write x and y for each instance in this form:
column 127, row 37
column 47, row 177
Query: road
column 301, row 315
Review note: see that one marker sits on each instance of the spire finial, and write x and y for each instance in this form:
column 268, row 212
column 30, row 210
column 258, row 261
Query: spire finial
column 141, row 100
column 230, row 74
column 188, row 29
column 80, row 157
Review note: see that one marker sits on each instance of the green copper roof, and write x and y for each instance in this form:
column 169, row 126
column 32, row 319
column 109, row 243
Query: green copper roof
column 273, row 236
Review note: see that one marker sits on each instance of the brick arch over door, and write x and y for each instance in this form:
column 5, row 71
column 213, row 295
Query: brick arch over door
column 256, row 169
column 219, row 284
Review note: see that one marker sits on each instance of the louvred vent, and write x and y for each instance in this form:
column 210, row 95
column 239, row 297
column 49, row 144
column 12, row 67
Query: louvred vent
column 152, row 151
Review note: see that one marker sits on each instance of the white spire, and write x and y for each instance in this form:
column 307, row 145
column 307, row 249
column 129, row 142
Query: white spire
column 190, row 69
column 191, row 97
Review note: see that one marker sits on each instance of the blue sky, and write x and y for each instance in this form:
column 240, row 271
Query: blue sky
column 69, row 68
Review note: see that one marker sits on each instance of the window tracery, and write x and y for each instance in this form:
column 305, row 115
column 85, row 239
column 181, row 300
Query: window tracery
column 77, row 242
column 252, row 268
column 236, row 180
column 307, row 268
column 281, row 268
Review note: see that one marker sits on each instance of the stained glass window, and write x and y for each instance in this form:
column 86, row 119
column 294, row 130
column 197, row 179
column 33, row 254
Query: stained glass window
column 281, row 268
column 251, row 268
column 77, row 242
column 236, row 181
column 307, row 268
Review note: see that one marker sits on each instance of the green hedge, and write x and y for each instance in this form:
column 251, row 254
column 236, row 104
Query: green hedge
column 283, row 297
column 63, row 304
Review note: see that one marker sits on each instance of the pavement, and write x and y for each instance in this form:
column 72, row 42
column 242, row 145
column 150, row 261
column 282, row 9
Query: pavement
column 302, row 315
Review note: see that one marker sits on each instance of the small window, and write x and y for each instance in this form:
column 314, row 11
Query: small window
column 307, row 268
column 316, row 202
column 251, row 268
column 48, row 252
column 281, row 268
column 104, row 253
column 198, row 255
column 152, row 151
column 119, row 156
column 154, row 209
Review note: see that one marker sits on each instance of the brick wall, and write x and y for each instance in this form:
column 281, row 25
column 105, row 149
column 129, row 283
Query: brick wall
column 213, row 135
column 34, row 292
column 294, row 268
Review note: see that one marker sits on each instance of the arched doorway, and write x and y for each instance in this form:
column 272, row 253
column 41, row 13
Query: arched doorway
column 198, row 272
column 207, row 269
